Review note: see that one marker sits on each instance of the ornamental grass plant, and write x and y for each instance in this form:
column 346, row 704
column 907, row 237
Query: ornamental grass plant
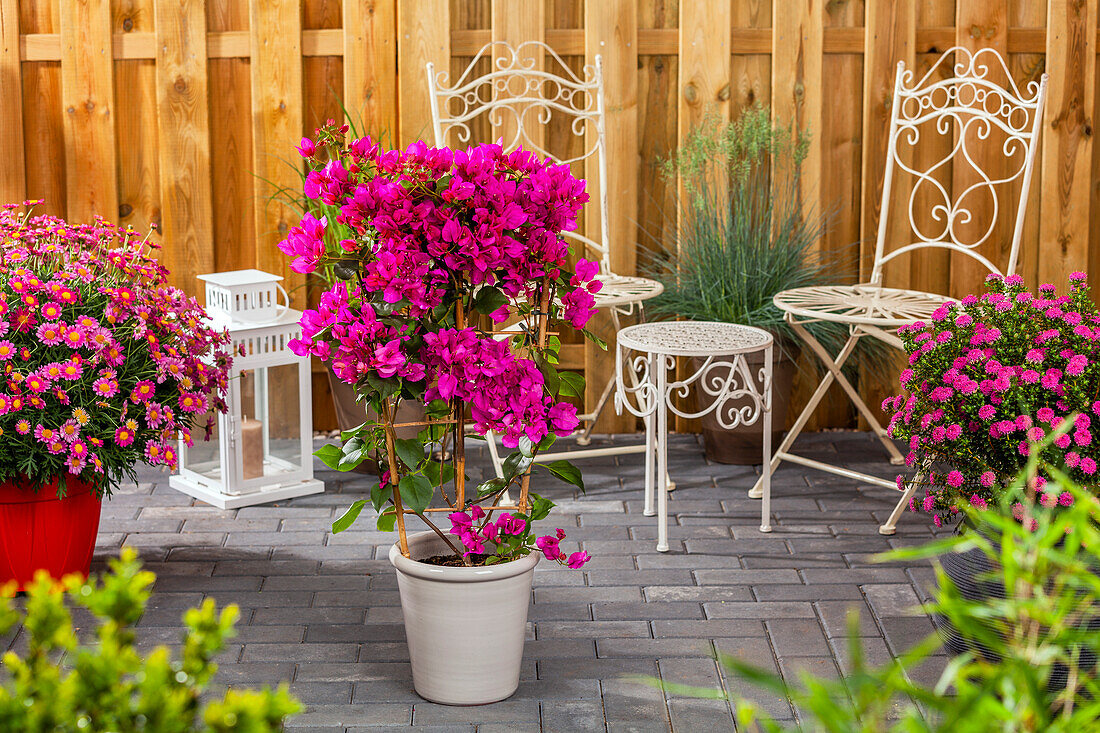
column 740, row 234
column 104, row 364
column 441, row 246
column 990, row 376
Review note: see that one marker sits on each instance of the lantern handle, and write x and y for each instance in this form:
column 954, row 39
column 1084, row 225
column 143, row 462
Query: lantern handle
column 281, row 308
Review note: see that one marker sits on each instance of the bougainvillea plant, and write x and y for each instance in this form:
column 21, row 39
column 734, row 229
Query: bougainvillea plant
column 989, row 377
column 437, row 249
column 104, row 364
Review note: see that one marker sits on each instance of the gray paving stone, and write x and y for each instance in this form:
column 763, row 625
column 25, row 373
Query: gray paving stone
column 322, row 610
column 760, row 610
column 797, row 637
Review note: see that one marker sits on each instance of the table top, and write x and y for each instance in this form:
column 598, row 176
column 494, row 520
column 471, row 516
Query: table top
column 694, row 338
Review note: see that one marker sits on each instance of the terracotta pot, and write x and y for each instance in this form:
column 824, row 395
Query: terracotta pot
column 351, row 413
column 39, row 531
column 465, row 626
column 744, row 444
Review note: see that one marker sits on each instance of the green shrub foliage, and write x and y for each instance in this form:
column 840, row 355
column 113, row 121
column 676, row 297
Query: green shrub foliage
column 61, row 684
column 1039, row 672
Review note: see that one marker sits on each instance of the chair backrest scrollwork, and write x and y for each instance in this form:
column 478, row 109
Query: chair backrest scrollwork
column 516, row 95
column 970, row 108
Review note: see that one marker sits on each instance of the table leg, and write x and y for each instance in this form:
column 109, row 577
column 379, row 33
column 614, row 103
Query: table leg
column 766, row 503
column 650, row 446
column 662, row 456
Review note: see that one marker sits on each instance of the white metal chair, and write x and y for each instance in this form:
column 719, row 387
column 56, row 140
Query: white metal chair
column 517, row 96
column 967, row 106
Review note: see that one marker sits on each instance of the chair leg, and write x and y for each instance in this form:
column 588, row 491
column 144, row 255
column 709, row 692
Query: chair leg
column 896, row 457
column 891, row 524
column 585, row 438
column 756, row 491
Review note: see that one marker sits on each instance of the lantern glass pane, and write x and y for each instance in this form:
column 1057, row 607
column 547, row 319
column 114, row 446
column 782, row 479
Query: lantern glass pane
column 284, row 446
column 270, row 422
column 204, row 456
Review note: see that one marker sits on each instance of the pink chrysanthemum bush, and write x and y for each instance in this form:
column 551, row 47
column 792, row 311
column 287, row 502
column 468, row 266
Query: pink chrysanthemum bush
column 990, row 377
column 104, row 364
column 428, row 253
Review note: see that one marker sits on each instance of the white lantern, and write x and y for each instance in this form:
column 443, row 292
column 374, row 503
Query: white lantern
column 261, row 450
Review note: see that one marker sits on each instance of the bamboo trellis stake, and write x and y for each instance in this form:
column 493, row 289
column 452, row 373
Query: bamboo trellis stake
column 458, row 420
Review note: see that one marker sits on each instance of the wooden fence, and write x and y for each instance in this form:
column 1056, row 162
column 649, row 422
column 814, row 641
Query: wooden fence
column 173, row 112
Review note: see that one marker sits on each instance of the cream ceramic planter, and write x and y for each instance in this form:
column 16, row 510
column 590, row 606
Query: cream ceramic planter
column 465, row 626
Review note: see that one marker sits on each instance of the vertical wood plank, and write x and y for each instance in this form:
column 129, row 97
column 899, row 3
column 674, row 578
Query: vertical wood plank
column 1094, row 228
column 611, row 31
column 184, row 127
column 276, row 35
column 13, row 172
column 516, row 22
column 930, row 269
column 890, row 32
column 750, row 72
column 1028, row 67
column 704, row 90
column 370, row 65
column 43, row 124
column 797, row 37
column 87, row 98
column 890, row 36
column 981, row 24
column 1067, row 138
column 423, row 35
column 704, row 63
column 135, row 114
column 232, row 184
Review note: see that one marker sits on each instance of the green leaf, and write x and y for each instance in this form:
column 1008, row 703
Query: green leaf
column 567, row 472
column 437, row 409
column 549, row 375
column 346, row 269
column 330, row 454
column 572, row 384
column 384, row 387
column 594, row 339
column 526, row 446
column 547, row 441
column 410, row 451
column 540, row 507
column 349, row 516
column 439, row 473
column 387, row 519
column 353, row 453
column 378, row 495
column 491, row 486
column 515, row 464
column 416, row 491
column 488, row 299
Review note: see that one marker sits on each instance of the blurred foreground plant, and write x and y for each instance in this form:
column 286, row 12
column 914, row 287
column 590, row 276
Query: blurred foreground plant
column 61, row 685
column 1039, row 671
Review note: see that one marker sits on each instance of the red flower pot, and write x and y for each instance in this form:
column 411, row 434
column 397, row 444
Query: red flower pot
column 40, row 531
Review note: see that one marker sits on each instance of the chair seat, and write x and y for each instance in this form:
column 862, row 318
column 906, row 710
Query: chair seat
column 863, row 304
column 622, row 290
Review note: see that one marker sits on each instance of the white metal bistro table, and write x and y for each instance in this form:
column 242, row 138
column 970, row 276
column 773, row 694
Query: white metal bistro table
column 737, row 396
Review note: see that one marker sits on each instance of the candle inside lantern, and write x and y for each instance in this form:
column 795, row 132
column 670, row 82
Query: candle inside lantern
column 252, row 447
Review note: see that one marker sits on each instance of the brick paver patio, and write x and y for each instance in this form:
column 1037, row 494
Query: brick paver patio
column 322, row 610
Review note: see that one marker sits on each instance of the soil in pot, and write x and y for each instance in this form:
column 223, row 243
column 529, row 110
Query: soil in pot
column 744, row 444
column 39, row 531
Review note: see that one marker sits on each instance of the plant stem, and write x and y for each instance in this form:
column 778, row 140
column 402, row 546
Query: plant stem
column 444, row 538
